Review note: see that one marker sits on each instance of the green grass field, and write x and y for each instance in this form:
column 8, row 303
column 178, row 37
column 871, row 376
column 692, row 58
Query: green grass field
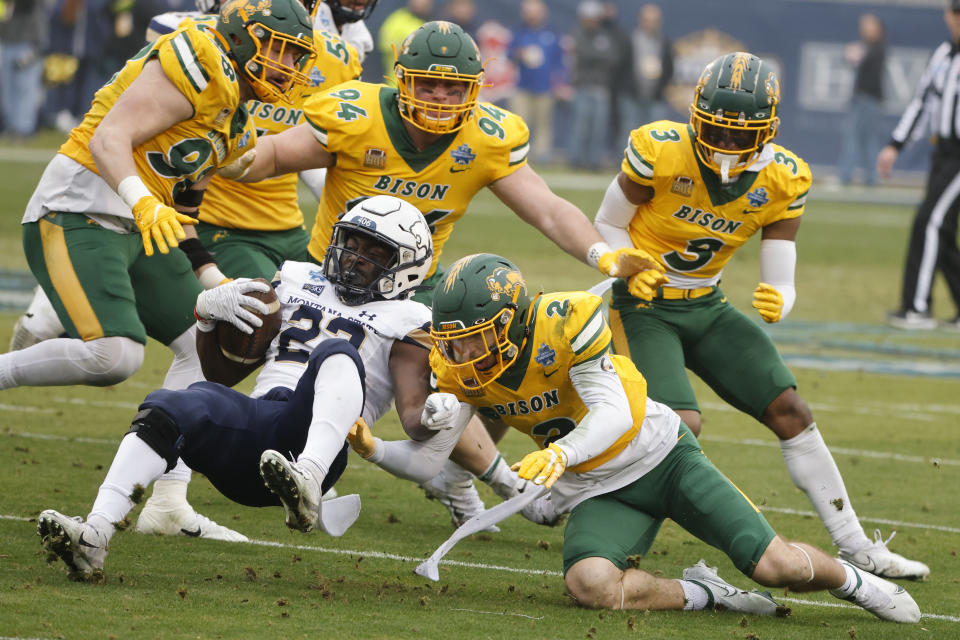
column 894, row 436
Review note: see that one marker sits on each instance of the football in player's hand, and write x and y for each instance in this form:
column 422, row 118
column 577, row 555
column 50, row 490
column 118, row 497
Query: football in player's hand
column 247, row 348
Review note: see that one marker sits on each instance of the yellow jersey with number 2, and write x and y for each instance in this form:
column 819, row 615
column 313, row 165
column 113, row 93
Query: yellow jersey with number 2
column 360, row 125
column 693, row 223
column 535, row 395
column 217, row 134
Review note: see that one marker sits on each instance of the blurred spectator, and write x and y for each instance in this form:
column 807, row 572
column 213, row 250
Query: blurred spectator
column 23, row 37
column 397, row 26
column 652, row 55
column 539, row 58
column 499, row 74
column 864, row 123
column 621, row 77
column 463, row 13
column 594, row 57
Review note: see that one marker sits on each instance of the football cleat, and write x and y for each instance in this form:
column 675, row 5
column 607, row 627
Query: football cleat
column 875, row 558
column 882, row 598
column 911, row 320
column 298, row 490
column 722, row 596
column 75, row 542
column 182, row 520
column 22, row 337
column 459, row 497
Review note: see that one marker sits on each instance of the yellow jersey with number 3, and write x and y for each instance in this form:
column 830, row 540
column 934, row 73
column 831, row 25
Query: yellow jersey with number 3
column 693, row 223
column 272, row 205
column 360, row 125
column 217, row 134
column 536, row 395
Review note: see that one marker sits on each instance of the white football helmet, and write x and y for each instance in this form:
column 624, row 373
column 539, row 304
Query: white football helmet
column 399, row 227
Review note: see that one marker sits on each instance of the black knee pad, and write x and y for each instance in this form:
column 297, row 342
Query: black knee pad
column 160, row 432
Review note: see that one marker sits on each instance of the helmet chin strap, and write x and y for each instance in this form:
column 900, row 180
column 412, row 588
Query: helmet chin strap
column 726, row 161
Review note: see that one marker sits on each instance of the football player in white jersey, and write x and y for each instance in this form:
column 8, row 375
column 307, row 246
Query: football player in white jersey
column 350, row 340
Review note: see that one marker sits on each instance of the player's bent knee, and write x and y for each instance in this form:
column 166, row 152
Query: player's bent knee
column 595, row 583
column 780, row 565
column 111, row 360
column 156, row 428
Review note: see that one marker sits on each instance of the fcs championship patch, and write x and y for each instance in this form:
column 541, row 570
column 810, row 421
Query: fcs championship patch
column 682, row 186
column 375, row 158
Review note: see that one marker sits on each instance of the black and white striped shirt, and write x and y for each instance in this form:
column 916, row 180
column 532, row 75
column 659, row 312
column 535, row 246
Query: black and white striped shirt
column 935, row 107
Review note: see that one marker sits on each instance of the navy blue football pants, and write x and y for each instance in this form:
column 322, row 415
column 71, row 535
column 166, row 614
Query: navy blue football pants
column 223, row 432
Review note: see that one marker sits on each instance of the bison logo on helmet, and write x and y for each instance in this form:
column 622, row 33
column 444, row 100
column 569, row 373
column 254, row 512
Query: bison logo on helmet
column 505, row 282
column 248, row 7
column 772, row 85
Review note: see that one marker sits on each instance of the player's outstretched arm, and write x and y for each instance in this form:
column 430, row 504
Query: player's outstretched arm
column 410, row 371
column 294, row 150
column 526, row 193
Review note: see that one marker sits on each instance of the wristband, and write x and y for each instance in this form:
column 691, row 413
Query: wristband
column 196, row 253
column 596, row 250
column 131, row 189
column 212, row 277
column 189, row 198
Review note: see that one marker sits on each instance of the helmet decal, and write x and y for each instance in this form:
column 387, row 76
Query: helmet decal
column 505, row 282
column 772, row 85
column 741, row 63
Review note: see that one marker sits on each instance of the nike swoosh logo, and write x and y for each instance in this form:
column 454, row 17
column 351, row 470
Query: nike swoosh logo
column 547, row 375
column 192, row 534
column 455, row 170
column 749, row 211
column 84, row 543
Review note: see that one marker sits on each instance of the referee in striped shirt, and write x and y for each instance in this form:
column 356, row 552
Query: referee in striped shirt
column 933, row 240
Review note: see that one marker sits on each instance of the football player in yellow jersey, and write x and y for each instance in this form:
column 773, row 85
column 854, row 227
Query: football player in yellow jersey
column 617, row 461
column 691, row 195
column 98, row 229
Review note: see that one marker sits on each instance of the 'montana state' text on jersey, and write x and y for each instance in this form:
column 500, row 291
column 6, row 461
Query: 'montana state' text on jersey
column 694, row 223
column 312, row 313
column 360, row 125
column 536, row 395
column 217, row 134
column 272, row 205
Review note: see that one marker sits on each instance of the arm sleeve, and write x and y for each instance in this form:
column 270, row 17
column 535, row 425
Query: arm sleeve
column 420, row 461
column 608, row 411
column 778, row 261
column 614, row 216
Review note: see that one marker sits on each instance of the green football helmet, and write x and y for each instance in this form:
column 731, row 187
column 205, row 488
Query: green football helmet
column 438, row 51
column 260, row 35
column 480, row 315
column 734, row 112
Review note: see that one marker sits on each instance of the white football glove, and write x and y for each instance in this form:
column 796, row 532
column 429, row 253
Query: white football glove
column 440, row 411
column 226, row 303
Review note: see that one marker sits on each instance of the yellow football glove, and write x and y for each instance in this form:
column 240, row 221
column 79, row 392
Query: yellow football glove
column 768, row 302
column 239, row 167
column 543, row 466
column 361, row 439
column 643, row 273
column 160, row 224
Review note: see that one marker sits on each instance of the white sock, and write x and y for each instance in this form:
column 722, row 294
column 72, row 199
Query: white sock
column 337, row 401
column 695, row 597
column 185, row 368
column 849, row 584
column 813, row 470
column 500, row 478
column 455, row 474
column 135, row 463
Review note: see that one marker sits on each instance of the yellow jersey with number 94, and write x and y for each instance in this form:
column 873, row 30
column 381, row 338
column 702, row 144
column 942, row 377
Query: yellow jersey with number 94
column 360, row 125
column 693, row 223
column 218, row 133
column 535, row 395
